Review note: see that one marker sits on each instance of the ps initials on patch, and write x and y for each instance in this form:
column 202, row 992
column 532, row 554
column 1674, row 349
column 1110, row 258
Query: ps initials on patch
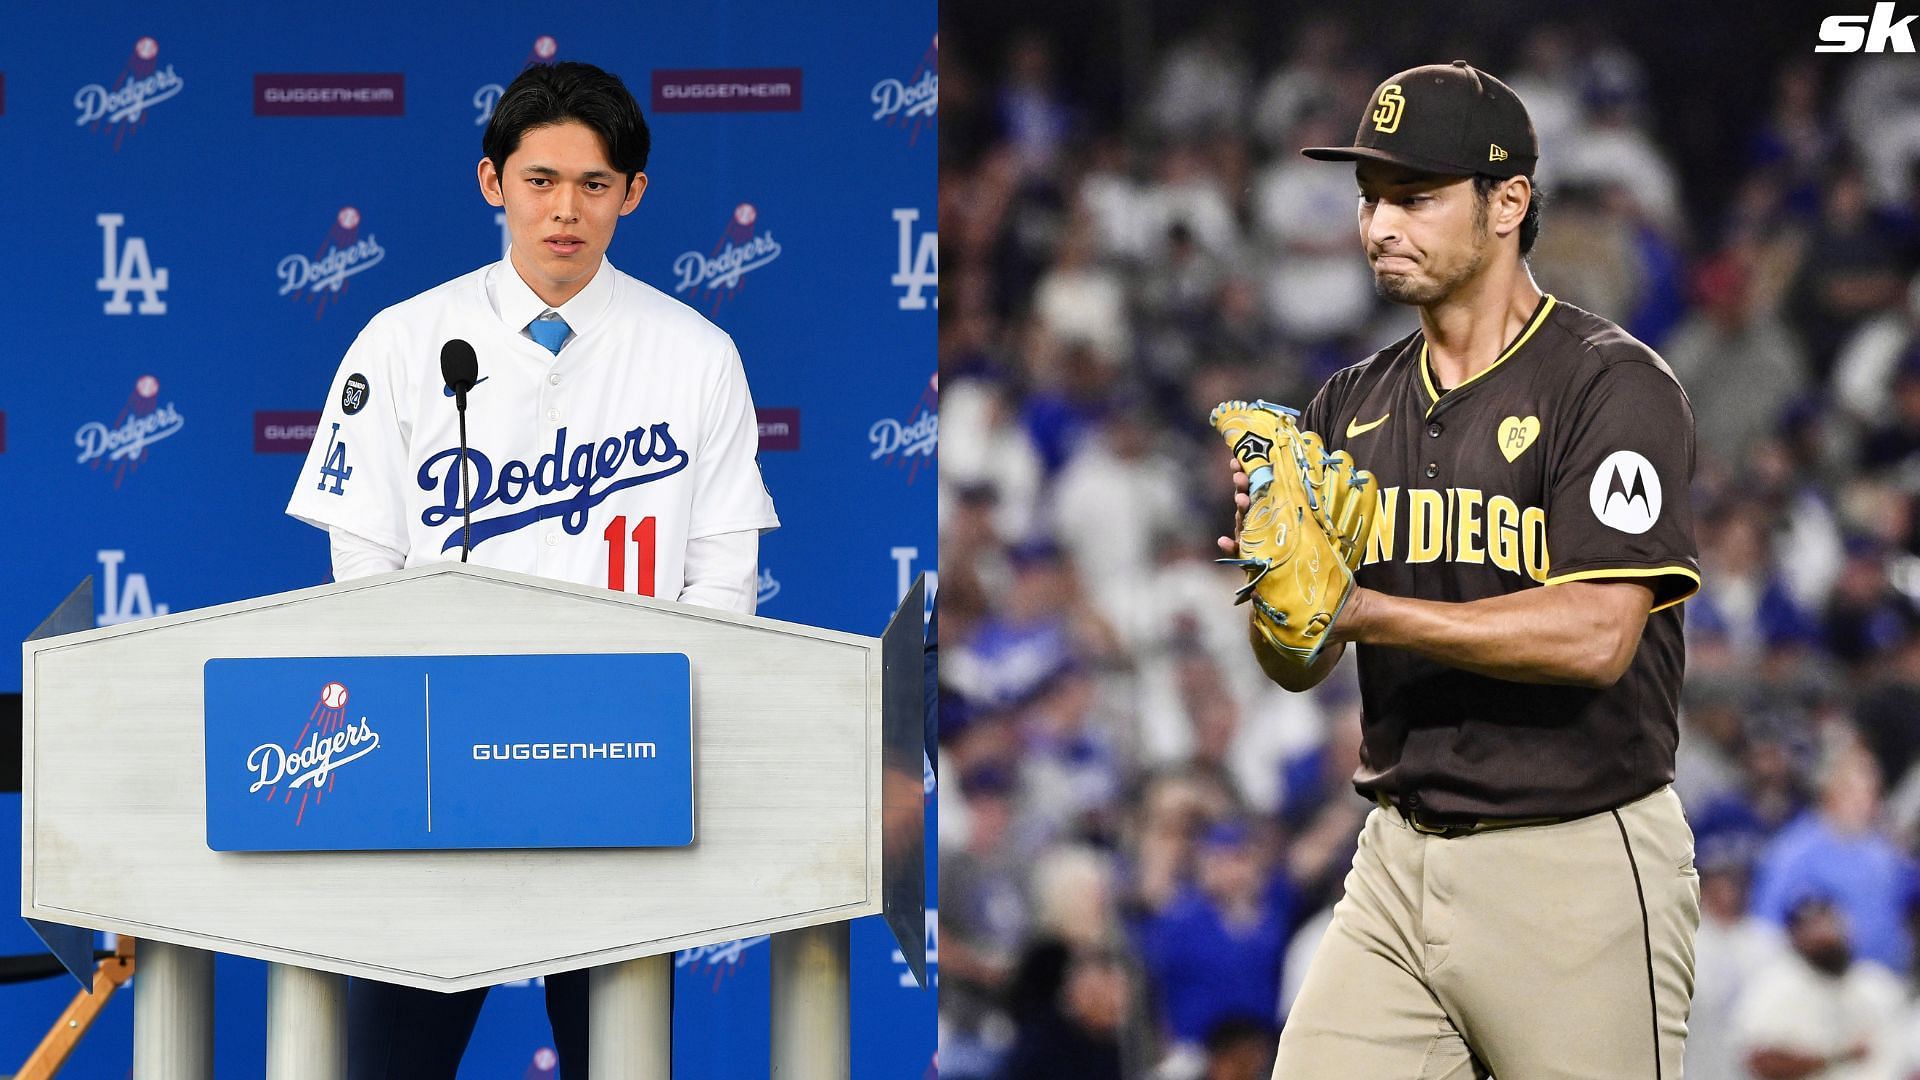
column 1625, row 492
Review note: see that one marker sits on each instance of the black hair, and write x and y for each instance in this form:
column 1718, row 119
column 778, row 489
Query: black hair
column 1530, row 225
column 547, row 94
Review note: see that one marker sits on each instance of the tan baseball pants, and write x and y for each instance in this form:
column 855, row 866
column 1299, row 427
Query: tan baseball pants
column 1532, row 953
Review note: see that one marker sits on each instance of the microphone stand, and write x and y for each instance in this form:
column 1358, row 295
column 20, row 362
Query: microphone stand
column 466, row 498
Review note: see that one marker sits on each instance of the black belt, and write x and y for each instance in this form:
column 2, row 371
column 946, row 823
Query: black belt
column 1448, row 826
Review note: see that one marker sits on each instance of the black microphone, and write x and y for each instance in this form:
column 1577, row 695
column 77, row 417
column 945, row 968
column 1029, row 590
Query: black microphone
column 461, row 369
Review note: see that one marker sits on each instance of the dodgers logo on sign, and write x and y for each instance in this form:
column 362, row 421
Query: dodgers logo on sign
column 122, row 444
column 122, row 104
column 448, row 752
column 912, row 442
column 327, row 741
column 320, row 278
column 912, row 103
column 741, row 249
column 484, row 99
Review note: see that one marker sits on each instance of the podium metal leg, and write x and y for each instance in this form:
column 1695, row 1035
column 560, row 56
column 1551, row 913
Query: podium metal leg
column 811, row 1020
column 630, row 1020
column 306, row 1024
column 172, row 1012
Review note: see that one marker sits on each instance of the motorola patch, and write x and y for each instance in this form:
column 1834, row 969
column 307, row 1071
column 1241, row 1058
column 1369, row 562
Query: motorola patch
column 353, row 396
column 1625, row 492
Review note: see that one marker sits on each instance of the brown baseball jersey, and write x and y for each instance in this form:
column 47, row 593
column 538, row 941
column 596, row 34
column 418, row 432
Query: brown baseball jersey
column 1569, row 459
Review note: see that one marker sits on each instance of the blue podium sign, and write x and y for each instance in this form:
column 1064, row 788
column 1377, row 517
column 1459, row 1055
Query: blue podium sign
column 417, row 752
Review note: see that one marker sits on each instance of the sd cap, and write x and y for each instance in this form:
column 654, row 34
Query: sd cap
column 1444, row 118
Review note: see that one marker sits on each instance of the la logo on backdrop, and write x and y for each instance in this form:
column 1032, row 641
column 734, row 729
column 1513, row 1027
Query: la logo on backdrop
column 124, row 598
column 306, row 765
column 121, row 105
column 320, row 278
column 913, row 103
column 743, row 247
column 484, row 99
column 919, row 266
column 121, row 445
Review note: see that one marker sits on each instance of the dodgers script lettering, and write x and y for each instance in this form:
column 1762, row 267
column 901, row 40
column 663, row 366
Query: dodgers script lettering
column 310, row 765
column 130, row 102
column 584, row 475
column 918, row 438
column 130, row 439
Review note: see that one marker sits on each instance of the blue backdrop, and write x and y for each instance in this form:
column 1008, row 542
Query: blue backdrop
column 213, row 199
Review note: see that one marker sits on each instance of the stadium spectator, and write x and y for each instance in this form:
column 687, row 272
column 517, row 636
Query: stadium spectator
column 1815, row 1012
column 1841, row 851
column 1727, row 342
column 1730, row 948
column 1214, row 953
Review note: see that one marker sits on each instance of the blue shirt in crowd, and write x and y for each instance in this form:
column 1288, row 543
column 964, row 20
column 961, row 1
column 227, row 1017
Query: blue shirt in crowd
column 1868, row 878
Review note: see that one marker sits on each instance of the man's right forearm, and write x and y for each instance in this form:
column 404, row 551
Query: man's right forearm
column 355, row 556
column 1287, row 672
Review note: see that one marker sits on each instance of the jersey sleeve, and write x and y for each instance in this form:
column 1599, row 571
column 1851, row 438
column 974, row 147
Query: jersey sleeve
column 355, row 471
column 1620, row 505
column 728, row 494
column 1315, row 416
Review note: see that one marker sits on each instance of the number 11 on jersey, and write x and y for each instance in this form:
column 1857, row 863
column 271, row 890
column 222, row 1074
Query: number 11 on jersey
column 643, row 539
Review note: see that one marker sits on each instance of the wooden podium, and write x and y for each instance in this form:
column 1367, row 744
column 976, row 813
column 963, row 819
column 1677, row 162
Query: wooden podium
column 807, row 781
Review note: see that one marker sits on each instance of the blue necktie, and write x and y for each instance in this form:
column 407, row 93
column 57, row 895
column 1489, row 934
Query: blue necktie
column 550, row 332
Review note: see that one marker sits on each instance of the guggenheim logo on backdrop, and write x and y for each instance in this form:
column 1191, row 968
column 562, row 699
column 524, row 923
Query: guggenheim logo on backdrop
column 727, row 90
column 341, row 94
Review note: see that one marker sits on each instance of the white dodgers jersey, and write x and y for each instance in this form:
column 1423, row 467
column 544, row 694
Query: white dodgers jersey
column 594, row 466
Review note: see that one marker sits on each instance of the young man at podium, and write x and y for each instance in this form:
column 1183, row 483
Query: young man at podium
column 609, row 434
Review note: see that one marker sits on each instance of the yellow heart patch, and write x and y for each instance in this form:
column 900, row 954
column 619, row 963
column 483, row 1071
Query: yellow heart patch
column 1517, row 434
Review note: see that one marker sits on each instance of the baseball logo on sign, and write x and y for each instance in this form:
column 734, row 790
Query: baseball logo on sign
column 1625, row 492
column 333, row 695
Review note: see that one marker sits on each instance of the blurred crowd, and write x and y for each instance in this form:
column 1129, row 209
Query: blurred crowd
column 1141, row 838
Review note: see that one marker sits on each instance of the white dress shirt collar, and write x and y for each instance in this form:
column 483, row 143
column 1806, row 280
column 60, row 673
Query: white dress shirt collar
column 517, row 304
